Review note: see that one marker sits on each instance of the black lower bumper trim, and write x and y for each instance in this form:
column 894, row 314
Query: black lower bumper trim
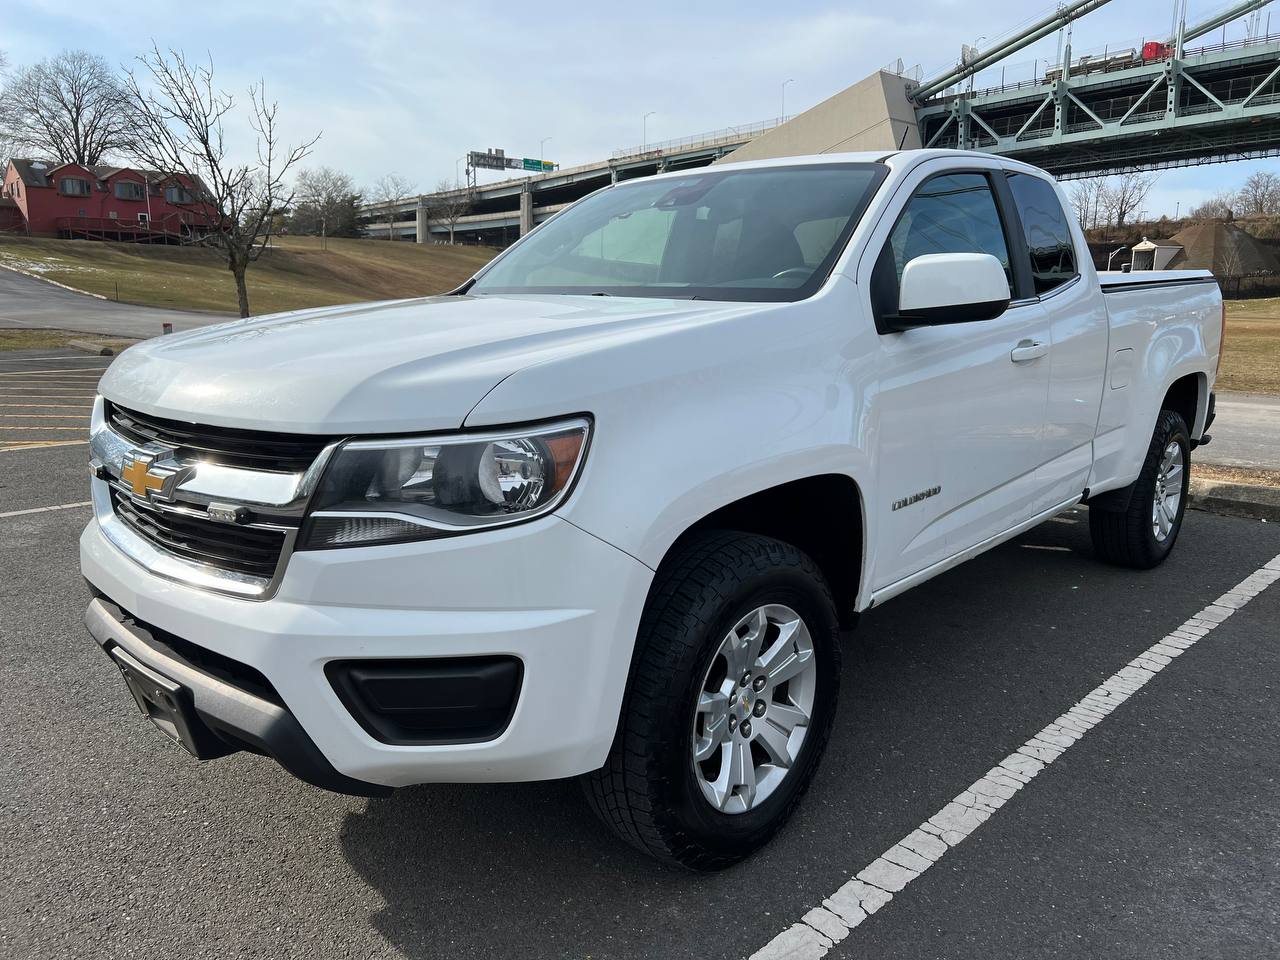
column 240, row 718
column 432, row 700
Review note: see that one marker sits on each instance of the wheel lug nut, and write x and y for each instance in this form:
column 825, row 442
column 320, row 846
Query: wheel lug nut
column 745, row 729
column 746, row 680
column 759, row 708
column 759, row 683
column 733, row 722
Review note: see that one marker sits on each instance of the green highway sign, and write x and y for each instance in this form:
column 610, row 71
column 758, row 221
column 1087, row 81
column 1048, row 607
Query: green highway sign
column 538, row 165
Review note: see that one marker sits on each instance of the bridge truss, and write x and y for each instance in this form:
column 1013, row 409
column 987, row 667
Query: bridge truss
column 1138, row 110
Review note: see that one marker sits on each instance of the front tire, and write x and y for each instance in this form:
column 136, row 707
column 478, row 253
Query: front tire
column 1142, row 535
column 732, row 695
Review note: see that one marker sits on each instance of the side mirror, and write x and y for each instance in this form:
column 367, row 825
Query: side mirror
column 943, row 288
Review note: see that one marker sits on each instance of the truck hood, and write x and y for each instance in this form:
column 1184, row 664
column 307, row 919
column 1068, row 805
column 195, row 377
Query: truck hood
column 400, row 366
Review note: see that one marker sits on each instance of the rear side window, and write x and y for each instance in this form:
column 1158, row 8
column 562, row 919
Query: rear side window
column 950, row 213
column 1047, row 231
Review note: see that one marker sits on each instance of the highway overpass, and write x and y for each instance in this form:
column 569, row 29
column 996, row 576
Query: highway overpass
column 498, row 213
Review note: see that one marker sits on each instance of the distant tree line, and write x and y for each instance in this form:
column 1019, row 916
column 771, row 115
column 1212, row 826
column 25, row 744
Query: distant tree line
column 1259, row 196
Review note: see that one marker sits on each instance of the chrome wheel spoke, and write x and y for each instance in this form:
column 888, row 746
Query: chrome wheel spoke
column 735, row 649
column 737, row 776
column 776, row 742
column 758, row 628
column 795, row 662
column 786, row 717
column 714, row 708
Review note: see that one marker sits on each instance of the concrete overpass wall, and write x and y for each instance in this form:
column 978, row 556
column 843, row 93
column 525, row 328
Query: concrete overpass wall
column 873, row 114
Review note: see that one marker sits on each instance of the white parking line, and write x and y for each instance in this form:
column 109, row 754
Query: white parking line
column 61, row 506
column 875, row 885
column 13, row 446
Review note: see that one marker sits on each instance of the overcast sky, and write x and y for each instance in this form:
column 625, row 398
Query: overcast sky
column 409, row 86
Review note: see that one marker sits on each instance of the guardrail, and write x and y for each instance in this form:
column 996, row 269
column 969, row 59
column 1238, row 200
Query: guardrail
column 742, row 131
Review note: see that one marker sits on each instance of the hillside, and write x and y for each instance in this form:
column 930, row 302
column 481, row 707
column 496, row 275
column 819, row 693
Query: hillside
column 294, row 273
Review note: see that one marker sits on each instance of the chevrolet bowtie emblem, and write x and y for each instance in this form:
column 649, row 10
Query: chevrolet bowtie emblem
column 148, row 480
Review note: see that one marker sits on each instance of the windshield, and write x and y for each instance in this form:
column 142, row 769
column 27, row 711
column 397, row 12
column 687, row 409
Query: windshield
column 766, row 234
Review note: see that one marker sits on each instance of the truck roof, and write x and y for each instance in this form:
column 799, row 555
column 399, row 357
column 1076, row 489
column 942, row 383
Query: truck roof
column 900, row 159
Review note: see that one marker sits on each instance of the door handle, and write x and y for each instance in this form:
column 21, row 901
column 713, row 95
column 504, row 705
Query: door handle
column 1028, row 350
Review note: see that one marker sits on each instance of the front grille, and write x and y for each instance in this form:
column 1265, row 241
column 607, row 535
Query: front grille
column 240, row 549
column 254, row 449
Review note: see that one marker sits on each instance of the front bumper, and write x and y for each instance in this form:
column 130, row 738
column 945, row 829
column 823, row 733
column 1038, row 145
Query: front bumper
column 563, row 602
column 227, row 710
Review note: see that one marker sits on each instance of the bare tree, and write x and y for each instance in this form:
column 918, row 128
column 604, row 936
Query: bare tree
column 1126, row 194
column 449, row 205
column 326, row 202
column 5, row 147
column 72, row 108
column 181, row 115
column 1087, row 198
column 392, row 190
column 1260, row 195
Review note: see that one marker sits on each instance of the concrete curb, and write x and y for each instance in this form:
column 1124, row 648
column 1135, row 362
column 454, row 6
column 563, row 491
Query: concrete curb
column 92, row 346
column 36, row 276
column 1236, row 499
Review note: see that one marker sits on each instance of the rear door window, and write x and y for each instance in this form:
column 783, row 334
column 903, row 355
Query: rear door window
column 1047, row 232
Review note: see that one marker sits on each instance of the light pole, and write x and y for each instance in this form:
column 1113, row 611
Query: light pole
column 644, row 129
column 1113, row 254
column 784, row 97
column 542, row 160
column 1177, row 209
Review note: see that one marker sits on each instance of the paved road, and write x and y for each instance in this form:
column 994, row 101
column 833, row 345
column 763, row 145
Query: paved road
column 1246, row 432
column 1153, row 837
column 25, row 302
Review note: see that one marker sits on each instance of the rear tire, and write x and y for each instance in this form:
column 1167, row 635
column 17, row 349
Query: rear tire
column 1143, row 534
column 737, row 663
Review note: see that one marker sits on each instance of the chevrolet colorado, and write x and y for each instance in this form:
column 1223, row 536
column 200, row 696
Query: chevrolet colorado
column 604, row 509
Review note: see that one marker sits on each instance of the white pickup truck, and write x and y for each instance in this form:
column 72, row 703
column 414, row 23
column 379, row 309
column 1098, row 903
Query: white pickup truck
column 604, row 509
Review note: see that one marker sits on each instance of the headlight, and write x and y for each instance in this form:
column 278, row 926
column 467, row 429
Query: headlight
column 392, row 491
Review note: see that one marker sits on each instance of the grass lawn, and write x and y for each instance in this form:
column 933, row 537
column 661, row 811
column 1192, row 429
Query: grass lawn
column 1251, row 360
column 1213, row 471
column 52, row 339
column 294, row 273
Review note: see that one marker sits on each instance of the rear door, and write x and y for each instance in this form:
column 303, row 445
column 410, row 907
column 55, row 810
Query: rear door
column 960, row 408
column 1064, row 282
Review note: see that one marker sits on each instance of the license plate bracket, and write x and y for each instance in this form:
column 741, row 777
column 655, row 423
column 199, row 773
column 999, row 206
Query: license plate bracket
column 168, row 705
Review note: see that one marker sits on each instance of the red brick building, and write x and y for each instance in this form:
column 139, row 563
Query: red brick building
column 102, row 202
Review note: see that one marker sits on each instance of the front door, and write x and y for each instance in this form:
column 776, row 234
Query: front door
column 960, row 410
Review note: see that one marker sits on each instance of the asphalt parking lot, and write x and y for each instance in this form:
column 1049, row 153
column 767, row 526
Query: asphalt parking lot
column 1153, row 836
column 46, row 396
